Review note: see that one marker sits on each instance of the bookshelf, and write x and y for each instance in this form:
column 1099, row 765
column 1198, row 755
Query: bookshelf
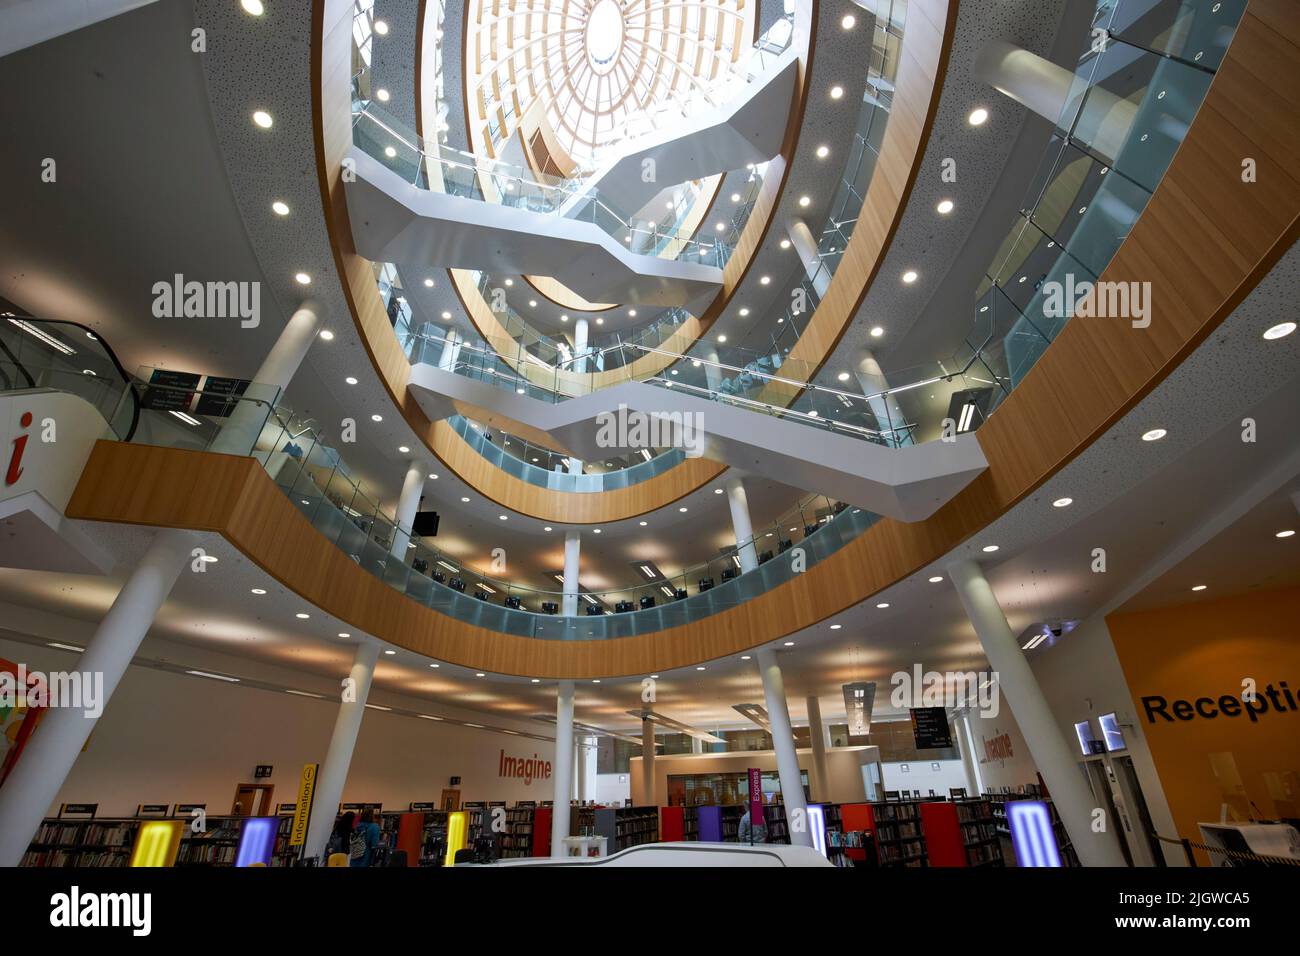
column 882, row 834
column 107, row 842
column 778, row 828
column 624, row 827
column 960, row 833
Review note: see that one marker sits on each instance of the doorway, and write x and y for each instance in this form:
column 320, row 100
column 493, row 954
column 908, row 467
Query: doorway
column 450, row 800
column 252, row 800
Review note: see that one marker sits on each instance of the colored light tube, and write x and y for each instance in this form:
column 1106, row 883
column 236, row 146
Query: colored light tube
column 817, row 827
column 157, row 843
column 1032, row 836
column 456, row 829
column 257, row 841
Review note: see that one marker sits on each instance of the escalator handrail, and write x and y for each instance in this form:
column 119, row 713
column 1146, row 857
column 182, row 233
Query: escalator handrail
column 108, row 349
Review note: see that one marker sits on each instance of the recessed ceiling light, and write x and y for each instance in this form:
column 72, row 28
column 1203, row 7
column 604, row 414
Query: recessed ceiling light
column 381, row 94
column 722, row 338
column 433, row 477
column 978, row 116
column 909, row 276
column 848, row 21
column 735, row 197
column 209, row 559
column 428, row 283
column 719, row 226
column 480, row 674
column 936, row 579
column 258, row 590
column 944, row 207
column 682, row 510
column 390, row 653
column 327, row 335
column 785, row 243
column 595, row 531
column 253, row 7
column 641, row 523
column 503, row 517
column 632, row 313
column 376, row 418
column 302, row 616
column 1062, row 502
column 836, row 627
column 1154, row 434
column 837, row 92
column 595, row 680
column 446, row 316
column 1280, row 330
column 877, row 332
column 350, row 380
column 717, row 491
column 789, row 643
column 600, row 321
column 744, row 312
column 804, row 200
column 263, row 119
column 280, row 208
column 465, row 500
column 435, row 665
column 510, row 282
column 843, row 376
column 882, row 605
column 302, row 278
column 823, row 152
column 1284, row 534
column 344, row 634
column 990, row 548
column 403, row 449
column 700, row 668
column 390, row 152
column 1199, row 587
column 381, row 27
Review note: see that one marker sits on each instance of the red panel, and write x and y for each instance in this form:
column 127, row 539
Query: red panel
column 859, row 817
column 542, row 832
column 943, row 842
column 410, row 836
column 672, row 824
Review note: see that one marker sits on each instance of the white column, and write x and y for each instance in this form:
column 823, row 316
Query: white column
column 1047, row 89
column 563, row 766
column 712, row 374
column 787, row 760
column 580, row 753
column 697, row 745
column 1047, row 744
column 450, row 350
column 821, row 781
column 966, row 741
column 740, row 523
column 647, row 794
column 805, row 247
column 572, row 549
column 239, row 433
column 574, row 465
column 407, row 505
column 871, row 379
column 35, row 781
column 580, row 345
column 334, row 771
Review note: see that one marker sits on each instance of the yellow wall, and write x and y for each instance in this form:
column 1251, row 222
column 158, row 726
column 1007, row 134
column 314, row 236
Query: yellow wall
column 1204, row 651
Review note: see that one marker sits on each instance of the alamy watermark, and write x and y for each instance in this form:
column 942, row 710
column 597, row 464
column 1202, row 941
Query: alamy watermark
column 922, row 688
column 65, row 689
column 1100, row 300
column 626, row 428
column 179, row 299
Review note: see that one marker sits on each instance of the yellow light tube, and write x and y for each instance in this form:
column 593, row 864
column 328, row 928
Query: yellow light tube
column 456, row 829
column 157, row 843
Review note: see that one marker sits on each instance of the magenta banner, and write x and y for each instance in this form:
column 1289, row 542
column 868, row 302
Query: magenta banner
column 755, row 796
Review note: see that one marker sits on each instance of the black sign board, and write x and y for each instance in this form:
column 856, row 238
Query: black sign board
column 220, row 395
column 930, row 728
column 363, row 806
column 286, row 809
column 185, row 809
column 77, row 810
column 455, row 781
column 151, row 810
column 169, row 391
column 425, row 807
column 262, row 770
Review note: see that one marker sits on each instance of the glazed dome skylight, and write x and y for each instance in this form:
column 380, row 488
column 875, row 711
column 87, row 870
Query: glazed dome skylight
column 598, row 72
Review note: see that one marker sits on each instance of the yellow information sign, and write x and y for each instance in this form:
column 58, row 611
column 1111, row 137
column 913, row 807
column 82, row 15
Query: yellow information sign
column 302, row 813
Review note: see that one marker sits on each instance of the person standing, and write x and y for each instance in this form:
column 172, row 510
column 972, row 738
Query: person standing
column 365, row 838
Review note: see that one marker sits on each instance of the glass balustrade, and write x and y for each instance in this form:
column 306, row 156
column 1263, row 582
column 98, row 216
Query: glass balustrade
column 39, row 354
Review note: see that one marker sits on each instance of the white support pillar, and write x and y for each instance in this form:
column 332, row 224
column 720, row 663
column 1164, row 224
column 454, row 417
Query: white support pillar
column 805, row 247
column 647, row 795
column 239, row 434
column 338, row 758
column 871, row 379
column 821, row 781
column 45, row 763
column 1047, row 744
column 572, row 550
column 1047, row 89
column 563, row 766
column 451, row 343
column 966, row 741
column 740, row 523
column 580, row 345
column 697, row 745
column 712, row 374
column 787, row 760
column 573, row 465
column 407, row 506
column 580, row 754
